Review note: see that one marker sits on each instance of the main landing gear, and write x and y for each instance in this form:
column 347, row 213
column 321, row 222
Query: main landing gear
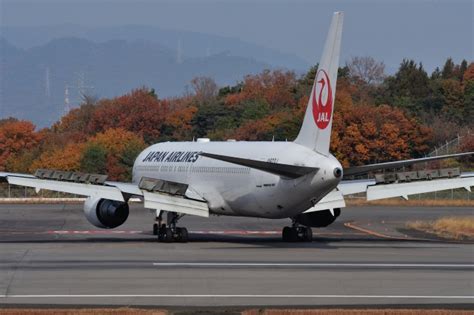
column 169, row 232
column 297, row 233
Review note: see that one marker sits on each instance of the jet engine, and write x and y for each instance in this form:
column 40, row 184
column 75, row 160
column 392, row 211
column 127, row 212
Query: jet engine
column 105, row 213
column 318, row 218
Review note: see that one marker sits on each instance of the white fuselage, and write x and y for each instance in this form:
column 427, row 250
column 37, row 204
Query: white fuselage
column 232, row 189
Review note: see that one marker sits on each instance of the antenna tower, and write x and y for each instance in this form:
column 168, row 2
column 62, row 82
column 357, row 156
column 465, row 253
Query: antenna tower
column 179, row 53
column 67, row 106
column 47, row 83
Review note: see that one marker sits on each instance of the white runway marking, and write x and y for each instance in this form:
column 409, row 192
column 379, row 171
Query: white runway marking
column 94, row 232
column 304, row 296
column 214, row 232
column 390, row 265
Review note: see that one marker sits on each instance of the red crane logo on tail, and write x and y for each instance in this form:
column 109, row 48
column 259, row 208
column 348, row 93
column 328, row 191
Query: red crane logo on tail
column 322, row 100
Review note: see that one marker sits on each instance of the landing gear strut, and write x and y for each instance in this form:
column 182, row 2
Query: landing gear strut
column 297, row 233
column 169, row 232
column 157, row 224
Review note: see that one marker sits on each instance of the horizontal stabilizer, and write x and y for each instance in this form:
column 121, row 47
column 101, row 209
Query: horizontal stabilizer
column 284, row 170
column 364, row 169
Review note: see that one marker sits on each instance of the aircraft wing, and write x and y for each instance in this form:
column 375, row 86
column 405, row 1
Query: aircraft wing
column 376, row 191
column 364, row 169
column 84, row 189
column 4, row 175
column 155, row 193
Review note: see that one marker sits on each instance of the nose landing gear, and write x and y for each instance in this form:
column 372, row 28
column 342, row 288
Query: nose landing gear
column 297, row 233
column 169, row 232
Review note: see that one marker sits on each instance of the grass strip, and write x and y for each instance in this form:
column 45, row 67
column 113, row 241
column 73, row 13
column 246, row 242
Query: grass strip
column 457, row 228
column 411, row 202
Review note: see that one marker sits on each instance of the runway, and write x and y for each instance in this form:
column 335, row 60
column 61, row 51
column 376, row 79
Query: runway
column 49, row 254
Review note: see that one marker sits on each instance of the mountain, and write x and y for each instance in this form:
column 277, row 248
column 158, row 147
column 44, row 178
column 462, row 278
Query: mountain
column 193, row 44
column 8, row 51
column 33, row 80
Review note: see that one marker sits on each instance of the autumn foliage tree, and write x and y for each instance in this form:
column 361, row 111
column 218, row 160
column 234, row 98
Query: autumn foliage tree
column 140, row 112
column 112, row 152
column 75, row 124
column 94, row 159
column 366, row 134
column 67, row 158
column 177, row 124
column 377, row 118
column 275, row 88
column 16, row 137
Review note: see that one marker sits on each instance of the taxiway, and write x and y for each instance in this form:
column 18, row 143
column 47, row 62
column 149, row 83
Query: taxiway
column 49, row 254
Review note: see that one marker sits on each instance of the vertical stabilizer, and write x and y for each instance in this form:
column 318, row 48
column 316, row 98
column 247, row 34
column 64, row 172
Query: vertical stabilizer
column 315, row 132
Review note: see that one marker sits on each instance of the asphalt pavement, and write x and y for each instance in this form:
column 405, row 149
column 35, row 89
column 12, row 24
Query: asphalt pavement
column 51, row 255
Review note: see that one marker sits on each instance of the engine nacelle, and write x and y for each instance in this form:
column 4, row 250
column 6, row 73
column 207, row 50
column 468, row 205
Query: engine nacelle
column 318, row 218
column 105, row 213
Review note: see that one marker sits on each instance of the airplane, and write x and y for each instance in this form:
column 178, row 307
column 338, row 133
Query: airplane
column 299, row 180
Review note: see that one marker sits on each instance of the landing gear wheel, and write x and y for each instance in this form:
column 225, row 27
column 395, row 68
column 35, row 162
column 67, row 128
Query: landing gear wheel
column 168, row 235
column 162, row 233
column 169, row 232
column 286, row 234
column 182, row 234
column 293, row 235
column 307, row 234
column 297, row 233
column 290, row 234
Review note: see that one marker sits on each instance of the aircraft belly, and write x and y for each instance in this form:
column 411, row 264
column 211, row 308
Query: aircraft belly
column 270, row 197
column 258, row 196
column 223, row 192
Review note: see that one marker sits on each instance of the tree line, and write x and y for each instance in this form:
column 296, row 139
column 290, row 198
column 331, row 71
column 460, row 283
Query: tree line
column 377, row 118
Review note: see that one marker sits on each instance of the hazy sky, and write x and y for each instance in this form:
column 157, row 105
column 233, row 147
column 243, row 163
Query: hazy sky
column 427, row 31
